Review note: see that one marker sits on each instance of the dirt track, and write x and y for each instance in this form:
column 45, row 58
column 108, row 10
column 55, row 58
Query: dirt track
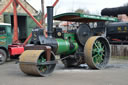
column 116, row 73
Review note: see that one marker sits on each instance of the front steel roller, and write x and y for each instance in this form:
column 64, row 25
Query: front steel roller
column 97, row 52
column 33, row 62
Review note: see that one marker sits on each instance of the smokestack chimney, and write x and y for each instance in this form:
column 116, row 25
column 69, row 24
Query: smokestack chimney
column 50, row 20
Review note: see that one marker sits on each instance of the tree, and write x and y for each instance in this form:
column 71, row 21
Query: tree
column 82, row 11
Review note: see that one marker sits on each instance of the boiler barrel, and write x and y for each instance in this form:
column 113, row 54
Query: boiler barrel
column 115, row 11
column 65, row 47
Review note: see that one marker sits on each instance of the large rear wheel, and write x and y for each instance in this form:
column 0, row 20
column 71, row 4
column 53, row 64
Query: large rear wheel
column 97, row 52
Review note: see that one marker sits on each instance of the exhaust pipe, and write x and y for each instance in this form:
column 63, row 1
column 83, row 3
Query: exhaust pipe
column 50, row 21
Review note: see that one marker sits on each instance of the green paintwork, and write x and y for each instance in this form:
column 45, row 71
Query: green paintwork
column 99, row 17
column 7, row 18
column 5, row 35
column 64, row 44
column 69, row 35
column 42, row 68
column 78, row 17
column 25, row 27
column 98, row 52
column 31, row 24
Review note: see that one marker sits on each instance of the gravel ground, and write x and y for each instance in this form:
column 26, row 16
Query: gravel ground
column 116, row 73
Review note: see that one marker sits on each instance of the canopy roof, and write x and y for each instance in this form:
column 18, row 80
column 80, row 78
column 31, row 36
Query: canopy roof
column 77, row 17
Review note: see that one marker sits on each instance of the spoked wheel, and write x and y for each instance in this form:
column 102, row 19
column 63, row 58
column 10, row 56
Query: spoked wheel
column 34, row 62
column 97, row 52
column 3, row 56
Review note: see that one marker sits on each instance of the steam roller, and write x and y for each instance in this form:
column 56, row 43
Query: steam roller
column 75, row 47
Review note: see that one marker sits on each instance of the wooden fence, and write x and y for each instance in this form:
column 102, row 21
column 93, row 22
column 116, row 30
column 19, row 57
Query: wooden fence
column 119, row 50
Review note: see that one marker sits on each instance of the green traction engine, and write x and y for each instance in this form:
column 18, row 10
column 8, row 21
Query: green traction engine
column 75, row 47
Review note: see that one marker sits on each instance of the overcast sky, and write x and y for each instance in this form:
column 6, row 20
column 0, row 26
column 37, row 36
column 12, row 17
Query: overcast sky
column 94, row 6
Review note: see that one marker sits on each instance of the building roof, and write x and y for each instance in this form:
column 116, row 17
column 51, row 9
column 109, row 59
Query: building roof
column 30, row 5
